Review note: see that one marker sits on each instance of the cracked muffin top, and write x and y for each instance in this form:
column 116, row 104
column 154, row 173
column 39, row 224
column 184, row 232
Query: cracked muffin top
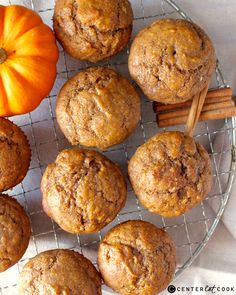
column 170, row 173
column 93, row 30
column 98, row 108
column 83, row 191
column 59, row 272
column 171, row 60
column 15, row 232
column 137, row 258
column 15, row 155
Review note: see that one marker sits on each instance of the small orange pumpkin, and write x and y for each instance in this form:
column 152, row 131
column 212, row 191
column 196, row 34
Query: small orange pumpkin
column 28, row 57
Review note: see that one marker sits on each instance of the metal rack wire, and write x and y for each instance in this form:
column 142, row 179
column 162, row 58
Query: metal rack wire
column 191, row 231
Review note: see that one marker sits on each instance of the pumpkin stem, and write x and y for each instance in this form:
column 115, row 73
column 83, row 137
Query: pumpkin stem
column 3, row 55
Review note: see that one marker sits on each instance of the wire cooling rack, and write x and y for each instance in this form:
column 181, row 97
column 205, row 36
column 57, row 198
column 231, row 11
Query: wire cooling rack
column 190, row 232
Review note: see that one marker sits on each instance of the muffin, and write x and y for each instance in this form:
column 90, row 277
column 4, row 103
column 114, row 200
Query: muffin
column 170, row 173
column 137, row 258
column 171, row 60
column 15, row 155
column 83, row 191
column 59, row 272
column 93, row 30
column 15, row 232
column 97, row 108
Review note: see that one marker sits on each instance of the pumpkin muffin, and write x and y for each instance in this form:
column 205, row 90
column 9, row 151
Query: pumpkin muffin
column 15, row 155
column 170, row 173
column 15, row 232
column 93, row 30
column 98, row 108
column 83, row 191
column 59, row 272
column 171, row 60
column 137, row 258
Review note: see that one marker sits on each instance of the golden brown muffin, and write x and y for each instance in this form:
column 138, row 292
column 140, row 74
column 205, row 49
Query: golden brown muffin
column 93, row 30
column 171, row 60
column 15, row 155
column 98, row 108
column 170, row 173
column 137, row 258
column 15, row 232
column 63, row 272
column 83, row 191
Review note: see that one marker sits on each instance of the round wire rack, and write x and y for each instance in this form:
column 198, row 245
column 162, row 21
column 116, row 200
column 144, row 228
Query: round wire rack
column 191, row 231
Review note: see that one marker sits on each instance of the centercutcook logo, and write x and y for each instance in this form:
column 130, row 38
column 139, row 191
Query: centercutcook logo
column 207, row 289
column 171, row 289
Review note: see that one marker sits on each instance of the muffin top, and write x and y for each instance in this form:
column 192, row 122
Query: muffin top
column 15, row 232
column 59, row 272
column 93, row 30
column 137, row 258
column 98, row 108
column 83, row 191
column 170, row 173
column 171, row 60
column 14, row 155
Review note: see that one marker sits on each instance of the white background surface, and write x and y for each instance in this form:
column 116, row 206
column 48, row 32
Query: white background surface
column 216, row 265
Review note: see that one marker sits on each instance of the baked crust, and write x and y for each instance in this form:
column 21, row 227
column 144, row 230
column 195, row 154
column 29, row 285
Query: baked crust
column 15, row 232
column 59, row 272
column 171, row 60
column 98, row 108
column 137, row 258
column 93, row 30
column 15, row 155
column 170, row 173
column 83, row 190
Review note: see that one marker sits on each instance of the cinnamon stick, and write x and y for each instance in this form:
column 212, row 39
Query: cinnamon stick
column 161, row 108
column 204, row 116
column 195, row 110
column 212, row 96
column 218, row 105
column 206, row 107
column 227, row 91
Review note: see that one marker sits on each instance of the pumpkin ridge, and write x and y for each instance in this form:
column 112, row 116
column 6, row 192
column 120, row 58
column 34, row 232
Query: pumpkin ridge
column 10, row 46
column 27, row 56
column 3, row 99
column 2, row 17
column 13, row 49
column 20, row 22
column 33, row 28
column 12, row 67
column 27, row 85
column 22, row 77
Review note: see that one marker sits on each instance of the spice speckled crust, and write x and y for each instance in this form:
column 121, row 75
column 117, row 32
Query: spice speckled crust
column 83, row 191
column 15, row 232
column 63, row 272
column 137, row 258
column 170, row 173
column 98, row 108
column 171, row 60
column 15, row 155
column 93, row 30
